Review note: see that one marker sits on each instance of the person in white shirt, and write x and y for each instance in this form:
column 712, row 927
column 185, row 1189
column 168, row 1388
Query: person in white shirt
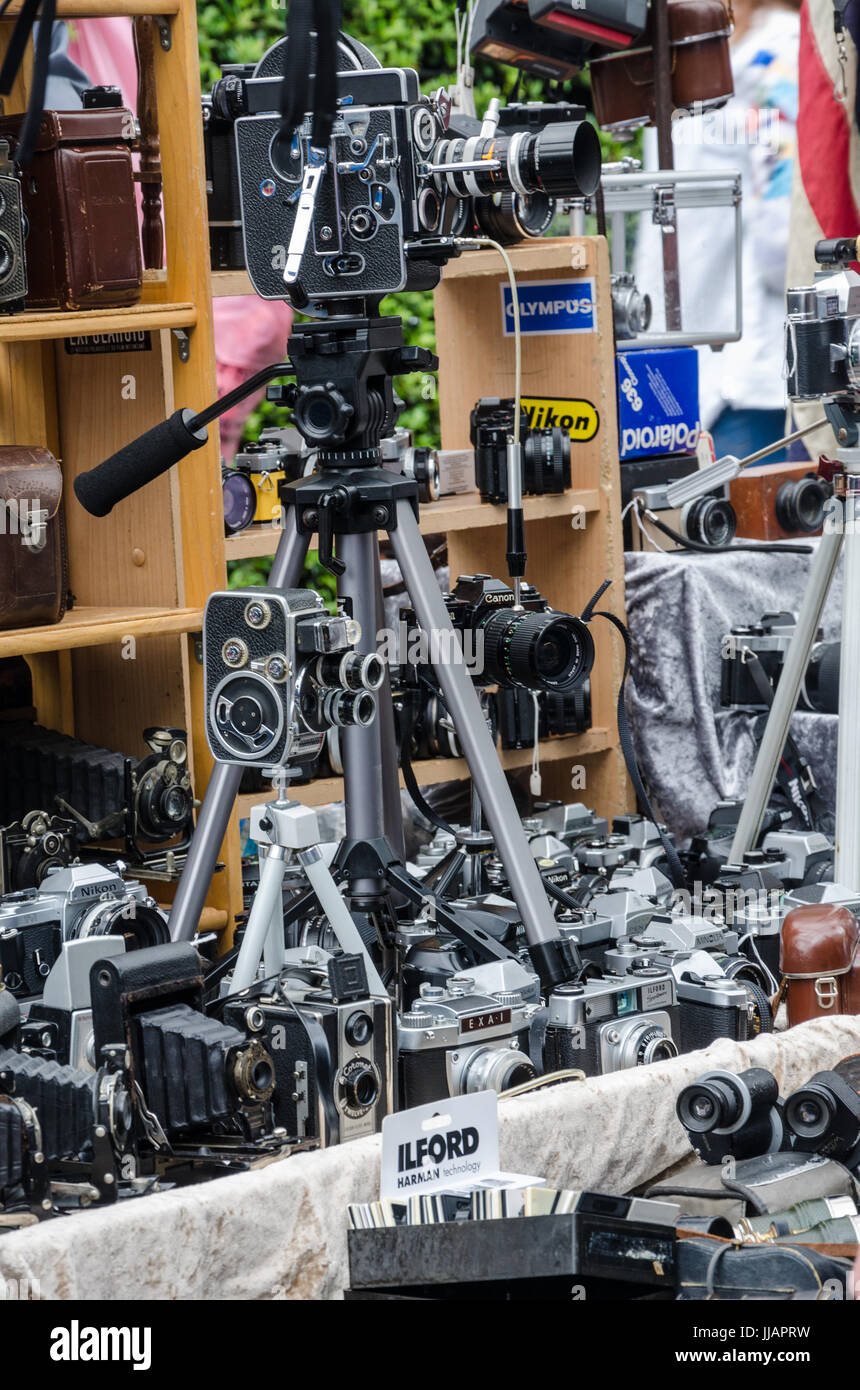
column 741, row 387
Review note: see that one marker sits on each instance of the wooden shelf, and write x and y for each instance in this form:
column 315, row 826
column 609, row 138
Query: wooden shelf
column 97, row 627
column 464, row 512
column 59, row 323
column 430, row 770
column 229, row 282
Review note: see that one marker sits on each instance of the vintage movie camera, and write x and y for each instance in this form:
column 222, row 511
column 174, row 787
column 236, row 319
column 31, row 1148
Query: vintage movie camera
column 331, row 1042
column 612, row 1023
column 533, row 646
column 769, row 640
column 279, row 671
column 99, row 795
column 83, row 900
column 457, row 1038
column 545, row 452
column 386, row 198
column 13, row 262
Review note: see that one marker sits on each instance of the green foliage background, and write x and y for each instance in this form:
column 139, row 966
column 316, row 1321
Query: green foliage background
column 401, row 33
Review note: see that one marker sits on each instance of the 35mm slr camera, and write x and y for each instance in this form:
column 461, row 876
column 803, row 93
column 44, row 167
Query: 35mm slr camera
column 769, row 640
column 533, row 646
column 545, row 452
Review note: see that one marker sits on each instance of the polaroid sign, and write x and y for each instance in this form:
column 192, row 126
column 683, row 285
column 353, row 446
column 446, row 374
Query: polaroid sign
column 550, row 307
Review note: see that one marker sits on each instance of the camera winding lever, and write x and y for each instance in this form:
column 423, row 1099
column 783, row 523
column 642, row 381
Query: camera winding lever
column 314, row 171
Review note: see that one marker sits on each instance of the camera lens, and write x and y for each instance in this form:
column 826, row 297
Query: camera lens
column 821, row 683
column 358, row 1086
column 563, row 158
column 253, row 1072
column 546, row 461
column 537, row 650
column 800, row 504
column 358, row 1029
column 510, row 217
column 346, row 708
column 355, row 671
column 8, row 258
column 496, row 1069
column 239, row 497
column 710, row 521
column 141, row 925
column 708, row 1105
column 809, row 1113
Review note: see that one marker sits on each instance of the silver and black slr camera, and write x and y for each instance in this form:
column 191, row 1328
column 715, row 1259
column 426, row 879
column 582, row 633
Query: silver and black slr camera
column 455, row 1039
column 83, row 900
column 610, row 1024
column 332, row 1045
column 710, row 520
column 13, row 264
column 533, row 646
column 769, row 640
column 631, row 309
column 279, row 672
column 392, row 187
column 822, row 331
column 545, row 452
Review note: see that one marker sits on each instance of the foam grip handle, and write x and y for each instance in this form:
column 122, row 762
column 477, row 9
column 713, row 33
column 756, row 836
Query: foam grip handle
column 137, row 463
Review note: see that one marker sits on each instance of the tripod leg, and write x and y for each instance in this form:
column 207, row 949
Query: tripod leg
column 266, row 901
column 846, row 871
column 223, row 786
column 320, row 878
column 362, row 747
column 391, row 805
column 476, row 741
column 785, row 697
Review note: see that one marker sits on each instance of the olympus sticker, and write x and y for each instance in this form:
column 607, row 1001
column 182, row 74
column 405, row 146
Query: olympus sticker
column 551, row 307
column 579, row 418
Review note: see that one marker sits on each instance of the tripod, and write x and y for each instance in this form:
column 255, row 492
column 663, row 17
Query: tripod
column 343, row 404
column 841, row 528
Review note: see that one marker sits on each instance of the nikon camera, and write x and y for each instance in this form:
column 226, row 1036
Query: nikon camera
column 545, row 452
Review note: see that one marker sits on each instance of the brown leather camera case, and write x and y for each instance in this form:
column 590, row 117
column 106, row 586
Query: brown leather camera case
column 622, row 84
column 33, row 570
column 819, row 959
column 83, row 244
column 753, row 495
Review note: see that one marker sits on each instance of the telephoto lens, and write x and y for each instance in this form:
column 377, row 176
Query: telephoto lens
column 725, row 1114
column 824, row 1117
column 563, row 158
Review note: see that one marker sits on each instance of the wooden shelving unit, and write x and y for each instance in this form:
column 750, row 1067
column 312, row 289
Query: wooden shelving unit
column 123, row 657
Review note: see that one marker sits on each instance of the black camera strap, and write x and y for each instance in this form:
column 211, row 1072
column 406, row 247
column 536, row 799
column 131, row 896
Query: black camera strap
column 676, row 872
column 309, row 17
column 46, row 12
column 794, row 777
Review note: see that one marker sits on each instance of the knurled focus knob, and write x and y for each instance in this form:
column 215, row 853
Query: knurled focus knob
column 508, row 998
column 322, row 413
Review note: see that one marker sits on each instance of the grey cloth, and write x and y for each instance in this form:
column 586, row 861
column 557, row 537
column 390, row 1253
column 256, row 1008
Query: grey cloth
column 679, row 606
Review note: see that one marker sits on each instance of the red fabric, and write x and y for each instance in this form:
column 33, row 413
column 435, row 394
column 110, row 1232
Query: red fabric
column 823, row 141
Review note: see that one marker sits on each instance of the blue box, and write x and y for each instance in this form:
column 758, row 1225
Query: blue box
column 658, row 401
